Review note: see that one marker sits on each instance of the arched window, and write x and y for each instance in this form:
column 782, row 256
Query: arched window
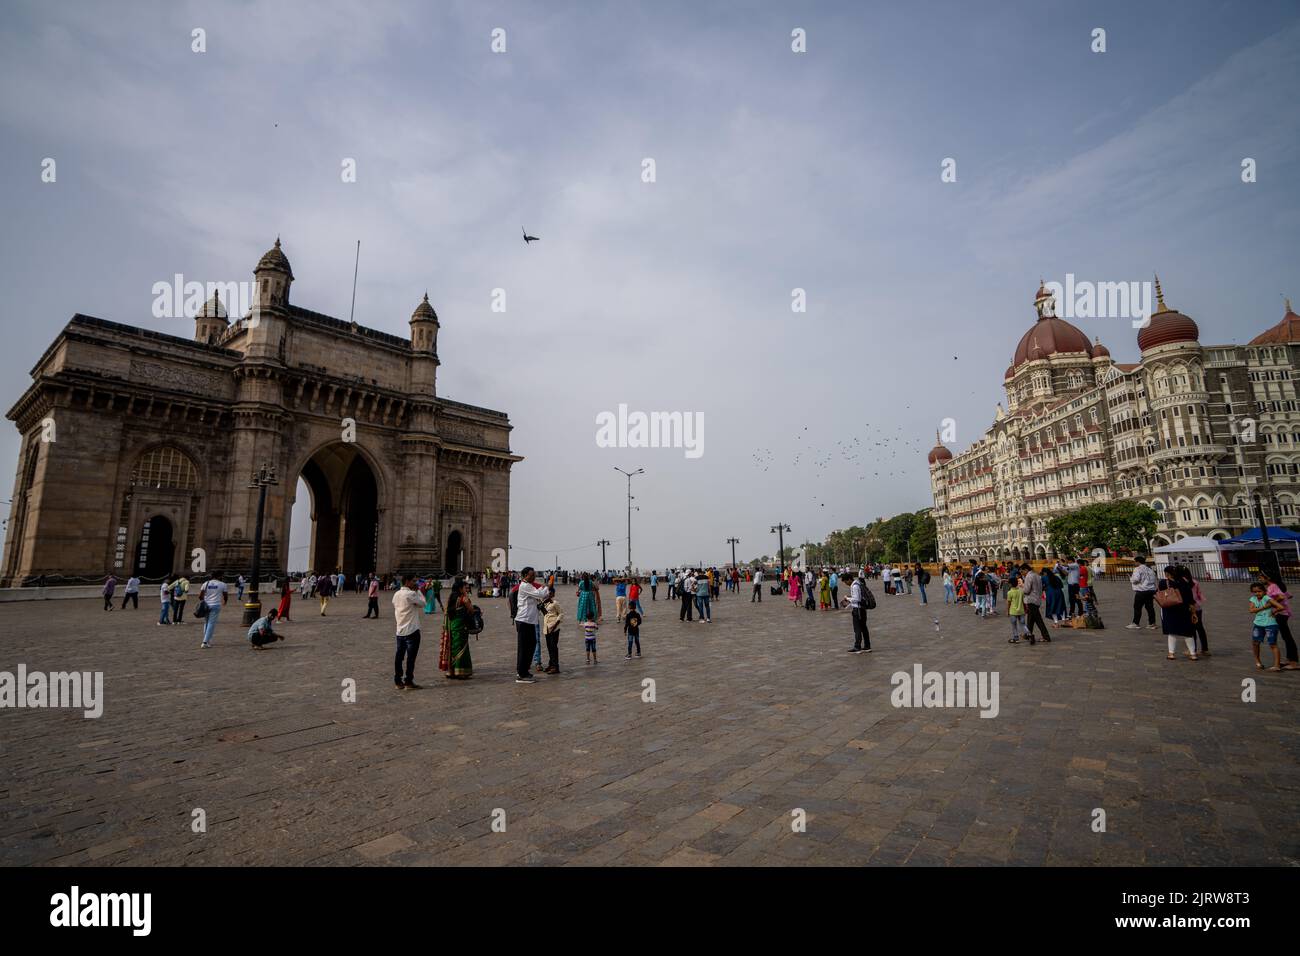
column 456, row 497
column 165, row 467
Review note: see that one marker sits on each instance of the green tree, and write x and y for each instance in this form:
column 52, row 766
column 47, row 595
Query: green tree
column 924, row 536
column 1115, row 526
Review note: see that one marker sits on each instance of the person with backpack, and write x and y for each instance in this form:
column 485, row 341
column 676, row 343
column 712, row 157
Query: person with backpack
column 922, row 579
column 180, row 593
column 861, row 600
column 458, row 620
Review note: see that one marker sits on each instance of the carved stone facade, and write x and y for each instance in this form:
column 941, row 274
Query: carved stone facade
column 1194, row 431
column 138, row 447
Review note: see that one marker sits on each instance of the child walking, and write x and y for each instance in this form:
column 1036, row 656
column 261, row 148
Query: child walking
column 1016, row 611
column 632, row 627
column 589, row 629
column 1265, row 624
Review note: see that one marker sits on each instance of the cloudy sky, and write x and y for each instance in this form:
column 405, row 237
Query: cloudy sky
column 774, row 171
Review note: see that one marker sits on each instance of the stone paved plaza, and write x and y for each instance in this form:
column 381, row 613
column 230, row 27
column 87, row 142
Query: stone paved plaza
column 756, row 715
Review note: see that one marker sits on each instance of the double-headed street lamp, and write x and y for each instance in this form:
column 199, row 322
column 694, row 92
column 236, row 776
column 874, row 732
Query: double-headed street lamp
column 639, row 471
column 779, row 530
column 261, row 479
column 733, row 542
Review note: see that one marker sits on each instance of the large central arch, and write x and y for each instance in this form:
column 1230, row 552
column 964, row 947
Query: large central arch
column 345, row 508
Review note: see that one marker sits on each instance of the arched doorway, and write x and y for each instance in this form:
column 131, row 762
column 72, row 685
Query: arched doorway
column 156, row 550
column 454, row 553
column 342, row 512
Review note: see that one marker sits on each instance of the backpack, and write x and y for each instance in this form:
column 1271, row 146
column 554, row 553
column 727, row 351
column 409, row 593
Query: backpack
column 925, row 577
column 474, row 625
column 868, row 599
column 514, row 603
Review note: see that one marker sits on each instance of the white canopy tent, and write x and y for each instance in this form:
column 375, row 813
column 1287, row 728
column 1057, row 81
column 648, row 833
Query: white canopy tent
column 1197, row 550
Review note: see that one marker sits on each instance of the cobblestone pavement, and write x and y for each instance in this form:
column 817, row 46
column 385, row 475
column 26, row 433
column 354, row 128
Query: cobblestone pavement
column 755, row 716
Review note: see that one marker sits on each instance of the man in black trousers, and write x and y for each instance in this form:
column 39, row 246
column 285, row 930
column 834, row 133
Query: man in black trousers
column 527, row 619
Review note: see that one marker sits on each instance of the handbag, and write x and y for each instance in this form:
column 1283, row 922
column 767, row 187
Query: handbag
column 1168, row 597
column 202, row 610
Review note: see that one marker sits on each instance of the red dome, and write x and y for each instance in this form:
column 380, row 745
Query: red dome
column 1050, row 336
column 1165, row 327
column 1011, row 370
column 938, row 453
column 1288, row 330
column 1099, row 350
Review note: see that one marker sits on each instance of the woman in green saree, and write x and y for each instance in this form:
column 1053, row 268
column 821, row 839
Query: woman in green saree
column 454, row 657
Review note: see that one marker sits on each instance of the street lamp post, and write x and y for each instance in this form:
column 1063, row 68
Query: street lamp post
column 262, row 478
column 733, row 542
column 639, row 471
column 603, row 542
column 779, row 530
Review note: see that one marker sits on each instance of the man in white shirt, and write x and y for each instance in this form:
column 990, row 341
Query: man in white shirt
column 858, row 611
column 527, row 620
column 132, row 593
column 408, row 604
column 686, row 591
column 213, row 595
column 758, row 587
column 1143, row 581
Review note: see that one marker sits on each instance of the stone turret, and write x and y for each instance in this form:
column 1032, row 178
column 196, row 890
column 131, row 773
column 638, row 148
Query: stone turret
column 211, row 321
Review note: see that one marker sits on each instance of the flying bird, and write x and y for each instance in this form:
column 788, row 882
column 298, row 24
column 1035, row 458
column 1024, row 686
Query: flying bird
column 527, row 237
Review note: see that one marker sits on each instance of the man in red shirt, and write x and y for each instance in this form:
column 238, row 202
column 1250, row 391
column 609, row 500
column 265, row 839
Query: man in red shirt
column 634, row 596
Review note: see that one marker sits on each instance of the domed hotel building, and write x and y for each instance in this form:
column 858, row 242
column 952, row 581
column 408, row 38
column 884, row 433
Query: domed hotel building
column 1195, row 431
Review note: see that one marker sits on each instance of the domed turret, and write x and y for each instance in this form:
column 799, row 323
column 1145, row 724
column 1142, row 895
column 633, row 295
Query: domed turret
column 424, row 327
column 1166, row 326
column 1049, row 335
column 274, row 276
column 938, row 453
column 211, row 321
column 1099, row 351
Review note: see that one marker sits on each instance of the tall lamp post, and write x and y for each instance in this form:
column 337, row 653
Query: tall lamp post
column 603, row 543
column 262, row 478
column 630, row 474
column 733, row 542
column 779, row 530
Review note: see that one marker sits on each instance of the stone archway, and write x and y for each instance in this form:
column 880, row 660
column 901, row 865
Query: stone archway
column 155, row 552
column 344, row 505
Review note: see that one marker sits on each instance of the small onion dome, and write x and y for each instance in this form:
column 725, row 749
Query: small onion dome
column 1099, row 350
column 212, row 309
column 1288, row 330
column 938, row 453
column 275, row 260
column 1166, row 326
column 424, row 311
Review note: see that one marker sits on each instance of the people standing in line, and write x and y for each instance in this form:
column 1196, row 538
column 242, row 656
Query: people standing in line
column 632, row 628
column 1175, row 599
column 858, row 592
column 110, row 585
column 1015, row 609
column 758, row 587
column 526, row 623
column 286, row 599
column 214, row 594
column 180, row 594
column 1275, row 589
column 702, row 598
column 165, row 600
column 407, row 605
column 1032, row 597
column 132, row 593
column 1143, row 582
column 454, row 658
column 261, row 633
column 552, row 616
column 372, row 597
column 1264, row 627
